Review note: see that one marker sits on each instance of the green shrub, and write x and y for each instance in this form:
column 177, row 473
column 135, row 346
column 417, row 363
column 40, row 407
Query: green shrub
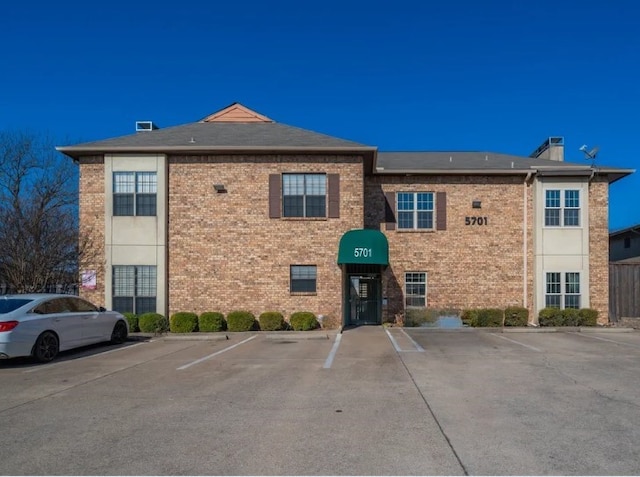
column 211, row 322
column 570, row 317
column 550, row 317
column 588, row 317
column 132, row 318
column 469, row 317
column 241, row 321
column 304, row 321
column 272, row 321
column 418, row 317
column 153, row 323
column 516, row 316
column 489, row 317
column 184, row 322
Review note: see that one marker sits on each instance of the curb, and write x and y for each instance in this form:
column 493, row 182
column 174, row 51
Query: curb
column 222, row 336
column 531, row 329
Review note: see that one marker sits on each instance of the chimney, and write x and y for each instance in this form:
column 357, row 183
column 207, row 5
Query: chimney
column 551, row 149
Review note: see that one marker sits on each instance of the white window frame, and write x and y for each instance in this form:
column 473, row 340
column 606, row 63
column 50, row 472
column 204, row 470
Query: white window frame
column 138, row 187
column 307, row 185
column 421, row 281
column 415, row 210
column 135, row 282
column 563, row 289
column 563, row 205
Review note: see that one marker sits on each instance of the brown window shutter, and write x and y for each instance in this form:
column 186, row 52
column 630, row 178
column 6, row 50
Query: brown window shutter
column 390, row 210
column 275, row 195
column 334, row 195
column 441, row 211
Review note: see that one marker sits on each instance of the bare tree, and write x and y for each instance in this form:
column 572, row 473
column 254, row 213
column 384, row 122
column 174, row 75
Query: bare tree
column 38, row 215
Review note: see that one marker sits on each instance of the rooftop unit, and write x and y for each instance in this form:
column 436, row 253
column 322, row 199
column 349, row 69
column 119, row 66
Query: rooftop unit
column 552, row 148
column 145, row 126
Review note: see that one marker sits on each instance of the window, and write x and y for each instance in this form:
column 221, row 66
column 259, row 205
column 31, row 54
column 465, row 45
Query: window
column 415, row 289
column 562, row 290
column 562, row 207
column 134, row 288
column 134, row 192
column 627, row 242
column 304, row 195
column 303, row 278
column 415, row 210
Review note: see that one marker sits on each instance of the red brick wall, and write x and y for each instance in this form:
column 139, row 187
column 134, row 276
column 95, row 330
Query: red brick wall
column 599, row 247
column 92, row 223
column 467, row 266
column 226, row 254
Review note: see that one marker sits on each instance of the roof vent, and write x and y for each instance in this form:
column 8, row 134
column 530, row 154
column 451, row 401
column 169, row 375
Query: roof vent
column 145, row 126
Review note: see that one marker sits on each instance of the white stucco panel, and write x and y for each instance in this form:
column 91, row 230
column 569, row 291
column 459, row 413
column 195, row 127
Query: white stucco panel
column 135, row 162
column 134, row 255
column 130, row 230
column 563, row 241
column 569, row 263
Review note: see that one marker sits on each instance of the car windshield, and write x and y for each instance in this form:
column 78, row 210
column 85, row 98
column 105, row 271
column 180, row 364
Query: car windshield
column 7, row 305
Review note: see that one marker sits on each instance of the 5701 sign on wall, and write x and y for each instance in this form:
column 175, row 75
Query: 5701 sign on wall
column 474, row 220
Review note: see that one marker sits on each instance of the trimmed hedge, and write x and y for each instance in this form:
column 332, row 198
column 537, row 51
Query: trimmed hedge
column 272, row 321
column 153, row 323
column 418, row 317
column 132, row 319
column 588, row 317
column 304, row 321
column 489, row 317
column 469, row 316
column 568, row 317
column 516, row 316
column 550, row 317
column 211, row 322
column 242, row 321
column 183, row 322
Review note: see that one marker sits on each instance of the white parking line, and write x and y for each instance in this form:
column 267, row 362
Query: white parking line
column 393, row 340
column 75, row 360
column 332, row 353
column 214, row 354
column 418, row 348
column 518, row 343
column 585, row 335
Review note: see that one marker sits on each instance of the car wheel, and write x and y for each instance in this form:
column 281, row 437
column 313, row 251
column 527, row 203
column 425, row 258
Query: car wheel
column 119, row 334
column 46, row 347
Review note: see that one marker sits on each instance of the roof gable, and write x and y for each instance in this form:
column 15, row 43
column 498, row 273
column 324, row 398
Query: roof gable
column 236, row 113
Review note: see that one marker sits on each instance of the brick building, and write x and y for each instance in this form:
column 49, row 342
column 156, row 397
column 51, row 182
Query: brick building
column 237, row 211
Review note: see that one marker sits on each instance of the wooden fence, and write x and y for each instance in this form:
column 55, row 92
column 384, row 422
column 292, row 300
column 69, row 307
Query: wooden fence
column 624, row 290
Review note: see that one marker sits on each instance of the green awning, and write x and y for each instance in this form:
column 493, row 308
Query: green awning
column 366, row 246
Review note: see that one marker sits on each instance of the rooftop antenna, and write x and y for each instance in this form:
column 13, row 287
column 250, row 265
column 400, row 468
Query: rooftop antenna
column 590, row 154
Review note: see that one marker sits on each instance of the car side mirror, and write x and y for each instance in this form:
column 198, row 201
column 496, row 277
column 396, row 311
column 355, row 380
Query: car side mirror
column 102, row 308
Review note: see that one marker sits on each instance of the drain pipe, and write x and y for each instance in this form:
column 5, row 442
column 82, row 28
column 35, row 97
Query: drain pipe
column 525, row 290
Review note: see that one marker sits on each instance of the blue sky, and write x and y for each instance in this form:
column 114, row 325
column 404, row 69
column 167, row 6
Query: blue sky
column 497, row 76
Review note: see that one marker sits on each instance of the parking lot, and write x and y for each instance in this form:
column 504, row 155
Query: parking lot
column 369, row 401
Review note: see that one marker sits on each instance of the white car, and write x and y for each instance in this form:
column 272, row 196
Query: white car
column 42, row 325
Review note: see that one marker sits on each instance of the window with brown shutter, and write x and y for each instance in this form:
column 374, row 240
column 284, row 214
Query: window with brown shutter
column 390, row 210
column 441, row 211
column 334, row 195
column 304, row 195
column 275, row 195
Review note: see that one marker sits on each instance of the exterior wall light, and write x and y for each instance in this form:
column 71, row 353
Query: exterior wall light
column 219, row 188
column 476, row 204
